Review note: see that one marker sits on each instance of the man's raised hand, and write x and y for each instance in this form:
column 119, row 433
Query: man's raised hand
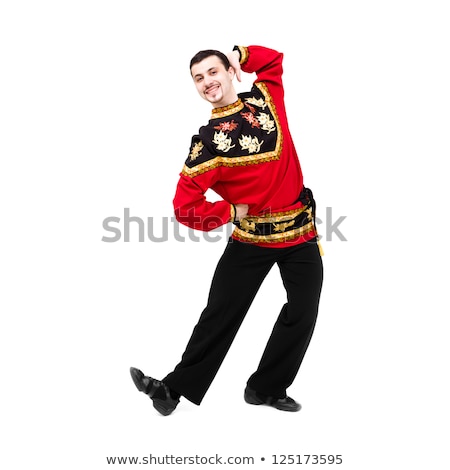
column 234, row 57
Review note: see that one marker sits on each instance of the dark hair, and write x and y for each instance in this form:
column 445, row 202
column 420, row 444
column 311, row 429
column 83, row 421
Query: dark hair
column 208, row 53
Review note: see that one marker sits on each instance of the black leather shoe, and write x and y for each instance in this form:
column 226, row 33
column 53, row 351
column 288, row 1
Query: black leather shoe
column 284, row 404
column 158, row 391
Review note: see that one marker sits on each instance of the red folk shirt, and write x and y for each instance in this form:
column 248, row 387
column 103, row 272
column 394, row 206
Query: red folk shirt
column 246, row 155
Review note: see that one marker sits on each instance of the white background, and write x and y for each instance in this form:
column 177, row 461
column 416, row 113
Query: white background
column 97, row 111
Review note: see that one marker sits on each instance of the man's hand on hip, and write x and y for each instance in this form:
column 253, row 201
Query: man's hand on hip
column 241, row 211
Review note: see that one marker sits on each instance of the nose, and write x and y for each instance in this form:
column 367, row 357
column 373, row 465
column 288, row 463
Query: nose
column 209, row 81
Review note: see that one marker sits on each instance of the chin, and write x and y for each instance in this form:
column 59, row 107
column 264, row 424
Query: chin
column 214, row 98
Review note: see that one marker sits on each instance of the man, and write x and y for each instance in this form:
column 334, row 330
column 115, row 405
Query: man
column 246, row 155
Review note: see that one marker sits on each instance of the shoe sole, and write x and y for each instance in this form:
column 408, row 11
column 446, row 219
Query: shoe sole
column 161, row 406
column 256, row 401
column 291, row 410
column 253, row 401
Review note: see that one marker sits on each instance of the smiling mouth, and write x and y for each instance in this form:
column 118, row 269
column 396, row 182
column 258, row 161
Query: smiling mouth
column 212, row 89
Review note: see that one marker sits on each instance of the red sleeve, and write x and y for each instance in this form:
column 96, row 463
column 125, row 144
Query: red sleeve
column 266, row 63
column 192, row 208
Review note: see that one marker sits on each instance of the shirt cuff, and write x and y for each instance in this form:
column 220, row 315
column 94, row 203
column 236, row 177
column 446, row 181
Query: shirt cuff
column 243, row 53
column 232, row 212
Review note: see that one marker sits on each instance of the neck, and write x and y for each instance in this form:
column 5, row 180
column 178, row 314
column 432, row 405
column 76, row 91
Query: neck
column 228, row 102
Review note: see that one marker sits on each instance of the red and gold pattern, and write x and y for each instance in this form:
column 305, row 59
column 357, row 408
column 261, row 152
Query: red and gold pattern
column 243, row 51
column 229, row 110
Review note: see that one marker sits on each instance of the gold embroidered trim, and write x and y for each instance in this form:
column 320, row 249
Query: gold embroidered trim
column 279, row 216
column 244, row 54
column 275, row 237
column 245, row 160
column 227, row 162
column 225, row 111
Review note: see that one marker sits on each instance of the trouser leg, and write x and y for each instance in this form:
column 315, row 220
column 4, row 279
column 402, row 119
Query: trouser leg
column 302, row 273
column 237, row 278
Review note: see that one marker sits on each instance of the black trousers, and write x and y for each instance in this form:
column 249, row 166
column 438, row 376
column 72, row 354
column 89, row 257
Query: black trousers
column 238, row 276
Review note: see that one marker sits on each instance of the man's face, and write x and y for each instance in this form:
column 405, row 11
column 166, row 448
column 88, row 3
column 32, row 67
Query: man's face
column 213, row 82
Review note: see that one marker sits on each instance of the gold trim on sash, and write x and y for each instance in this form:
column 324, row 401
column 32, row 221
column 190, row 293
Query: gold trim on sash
column 274, row 237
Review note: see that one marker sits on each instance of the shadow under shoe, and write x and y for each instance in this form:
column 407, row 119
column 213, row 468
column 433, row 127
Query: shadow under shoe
column 284, row 404
column 158, row 391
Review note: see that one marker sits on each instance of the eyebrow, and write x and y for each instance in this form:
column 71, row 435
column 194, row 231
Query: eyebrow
column 200, row 74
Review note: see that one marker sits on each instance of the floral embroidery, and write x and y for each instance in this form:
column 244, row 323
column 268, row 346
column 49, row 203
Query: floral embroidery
column 251, row 108
column 222, row 141
column 260, row 102
column 250, row 143
column 227, row 126
column 251, row 119
column 266, row 123
column 256, row 152
column 196, row 150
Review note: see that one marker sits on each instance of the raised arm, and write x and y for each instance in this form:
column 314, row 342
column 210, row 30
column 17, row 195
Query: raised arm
column 265, row 62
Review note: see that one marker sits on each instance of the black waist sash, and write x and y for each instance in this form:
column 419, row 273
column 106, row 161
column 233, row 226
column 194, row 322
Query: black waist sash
column 280, row 226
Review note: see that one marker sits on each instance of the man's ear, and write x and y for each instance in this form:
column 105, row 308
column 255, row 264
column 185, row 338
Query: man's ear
column 232, row 72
